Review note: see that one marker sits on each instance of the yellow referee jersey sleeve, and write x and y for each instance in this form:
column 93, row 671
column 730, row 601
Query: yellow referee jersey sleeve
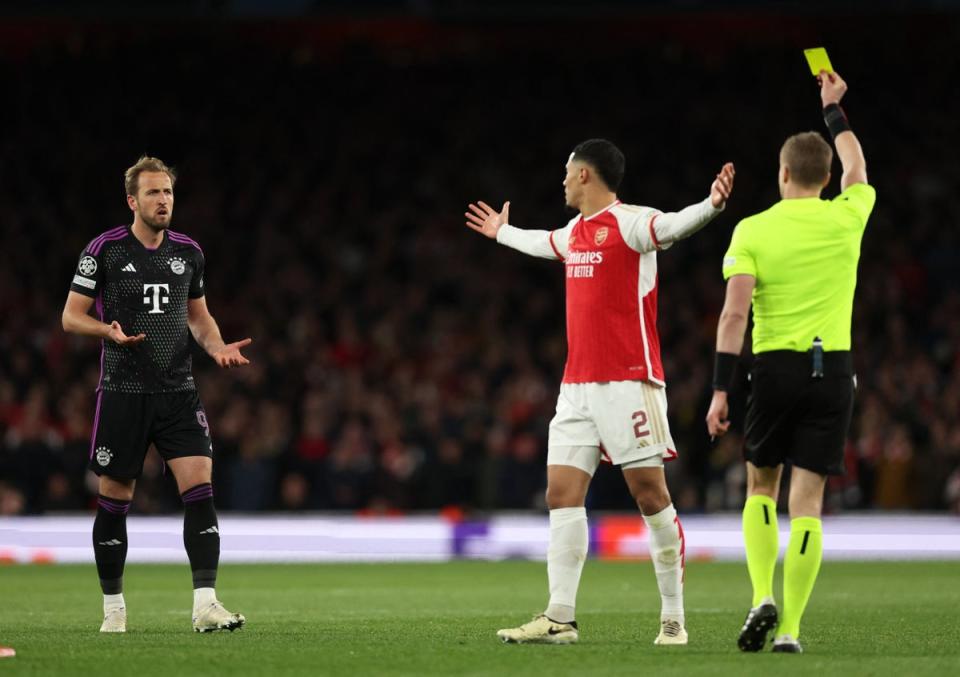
column 858, row 200
column 739, row 259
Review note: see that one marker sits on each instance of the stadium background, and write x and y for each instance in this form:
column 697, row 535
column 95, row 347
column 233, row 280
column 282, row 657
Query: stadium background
column 402, row 363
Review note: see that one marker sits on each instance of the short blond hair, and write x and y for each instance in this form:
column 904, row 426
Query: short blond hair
column 808, row 157
column 131, row 178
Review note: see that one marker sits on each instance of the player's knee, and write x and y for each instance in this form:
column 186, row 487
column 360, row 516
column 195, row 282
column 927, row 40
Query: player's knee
column 554, row 498
column 651, row 498
column 561, row 497
column 122, row 490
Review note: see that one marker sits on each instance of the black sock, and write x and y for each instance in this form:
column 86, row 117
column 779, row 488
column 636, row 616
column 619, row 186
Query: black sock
column 110, row 542
column 201, row 534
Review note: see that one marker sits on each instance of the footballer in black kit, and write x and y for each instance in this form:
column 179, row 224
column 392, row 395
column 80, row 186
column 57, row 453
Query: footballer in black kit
column 146, row 392
column 145, row 284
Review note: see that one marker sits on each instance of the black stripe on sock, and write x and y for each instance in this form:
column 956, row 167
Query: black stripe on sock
column 766, row 514
column 112, row 586
column 803, row 546
column 205, row 578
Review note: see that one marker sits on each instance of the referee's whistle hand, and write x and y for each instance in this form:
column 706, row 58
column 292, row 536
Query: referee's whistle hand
column 717, row 423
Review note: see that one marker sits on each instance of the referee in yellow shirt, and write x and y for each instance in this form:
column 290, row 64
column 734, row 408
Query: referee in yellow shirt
column 797, row 263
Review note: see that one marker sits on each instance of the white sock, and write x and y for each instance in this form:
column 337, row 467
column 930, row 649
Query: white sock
column 666, row 551
column 113, row 602
column 203, row 597
column 565, row 557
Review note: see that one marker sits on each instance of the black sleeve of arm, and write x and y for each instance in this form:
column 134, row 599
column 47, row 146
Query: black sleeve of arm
column 196, row 283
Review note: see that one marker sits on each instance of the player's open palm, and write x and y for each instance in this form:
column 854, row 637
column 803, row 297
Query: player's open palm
column 722, row 186
column 120, row 338
column 484, row 219
column 230, row 355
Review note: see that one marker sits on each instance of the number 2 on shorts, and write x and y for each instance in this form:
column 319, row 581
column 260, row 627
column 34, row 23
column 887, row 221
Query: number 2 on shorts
column 640, row 418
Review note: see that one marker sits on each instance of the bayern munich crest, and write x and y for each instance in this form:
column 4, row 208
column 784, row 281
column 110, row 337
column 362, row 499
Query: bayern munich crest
column 88, row 266
column 601, row 235
column 103, row 456
column 177, row 266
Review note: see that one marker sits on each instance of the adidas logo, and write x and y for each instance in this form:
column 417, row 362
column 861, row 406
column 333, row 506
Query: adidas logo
column 112, row 541
column 211, row 530
column 129, row 268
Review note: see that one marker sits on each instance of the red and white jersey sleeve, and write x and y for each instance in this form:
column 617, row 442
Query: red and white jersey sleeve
column 547, row 244
column 647, row 229
column 638, row 227
column 560, row 238
column 612, row 298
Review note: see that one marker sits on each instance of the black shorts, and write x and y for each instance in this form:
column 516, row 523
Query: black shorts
column 125, row 425
column 792, row 416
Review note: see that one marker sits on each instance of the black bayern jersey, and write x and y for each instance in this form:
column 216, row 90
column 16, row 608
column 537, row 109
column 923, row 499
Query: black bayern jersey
column 146, row 291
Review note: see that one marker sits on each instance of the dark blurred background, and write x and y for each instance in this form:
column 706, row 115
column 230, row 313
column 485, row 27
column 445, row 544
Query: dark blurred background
column 401, row 362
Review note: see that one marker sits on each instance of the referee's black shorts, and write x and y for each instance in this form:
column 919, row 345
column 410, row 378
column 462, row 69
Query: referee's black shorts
column 792, row 416
column 125, row 425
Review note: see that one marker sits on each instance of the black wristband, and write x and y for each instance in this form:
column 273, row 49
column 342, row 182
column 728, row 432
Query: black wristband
column 836, row 120
column 724, row 367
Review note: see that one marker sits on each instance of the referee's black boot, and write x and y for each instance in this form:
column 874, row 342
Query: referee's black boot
column 758, row 624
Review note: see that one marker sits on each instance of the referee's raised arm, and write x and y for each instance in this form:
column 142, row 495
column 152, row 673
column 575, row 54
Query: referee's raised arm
column 832, row 89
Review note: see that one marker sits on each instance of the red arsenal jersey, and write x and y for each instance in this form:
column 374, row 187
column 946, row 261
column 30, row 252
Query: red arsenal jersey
column 611, row 274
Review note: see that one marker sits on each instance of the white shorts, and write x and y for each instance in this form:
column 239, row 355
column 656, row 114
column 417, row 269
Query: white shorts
column 624, row 422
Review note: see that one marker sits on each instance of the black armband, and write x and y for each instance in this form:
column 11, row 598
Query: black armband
column 836, row 120
column 724, row 367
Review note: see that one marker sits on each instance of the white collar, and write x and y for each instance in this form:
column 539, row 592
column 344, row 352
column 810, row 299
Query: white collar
column 605, row 209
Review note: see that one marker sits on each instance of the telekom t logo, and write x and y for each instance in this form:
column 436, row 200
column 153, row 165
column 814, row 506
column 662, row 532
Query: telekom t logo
column 152, row 296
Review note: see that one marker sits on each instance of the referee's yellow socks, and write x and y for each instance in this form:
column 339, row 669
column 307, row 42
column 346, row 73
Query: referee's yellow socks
column 800, row 567
column 760, row 540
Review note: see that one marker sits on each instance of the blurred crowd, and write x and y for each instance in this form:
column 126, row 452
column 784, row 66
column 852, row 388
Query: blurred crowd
column 400, row 361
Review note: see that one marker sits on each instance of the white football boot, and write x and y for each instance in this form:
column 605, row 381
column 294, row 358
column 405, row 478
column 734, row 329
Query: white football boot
column 541, row 630
column 214, row 617
column 671, row 633
column 115, row 620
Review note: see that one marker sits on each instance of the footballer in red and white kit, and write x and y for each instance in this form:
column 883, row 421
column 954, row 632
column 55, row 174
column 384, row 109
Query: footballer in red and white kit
column 612, row 402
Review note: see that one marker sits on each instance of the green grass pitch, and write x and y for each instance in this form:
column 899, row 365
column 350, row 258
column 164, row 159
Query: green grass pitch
column 440, row 619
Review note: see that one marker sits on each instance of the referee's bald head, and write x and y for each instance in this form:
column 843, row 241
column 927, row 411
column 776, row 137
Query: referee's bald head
column 807, row 156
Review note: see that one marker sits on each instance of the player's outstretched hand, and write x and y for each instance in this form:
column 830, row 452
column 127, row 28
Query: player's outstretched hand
column 230, row 355
column 832, row 87
column 722, row 186
column 485, row 220
column 717, row 423
column 117, row 336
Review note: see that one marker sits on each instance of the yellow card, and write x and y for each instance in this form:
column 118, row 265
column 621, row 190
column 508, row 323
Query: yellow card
column 818, row 60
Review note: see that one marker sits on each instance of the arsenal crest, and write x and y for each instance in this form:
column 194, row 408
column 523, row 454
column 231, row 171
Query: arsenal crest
column 601, row 235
